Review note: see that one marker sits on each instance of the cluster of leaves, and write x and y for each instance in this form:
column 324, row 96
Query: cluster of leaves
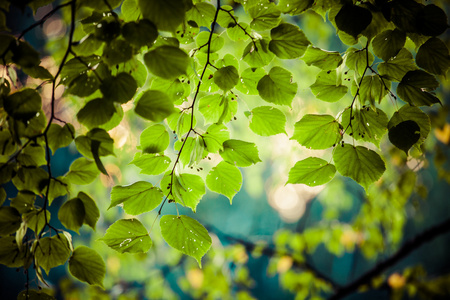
column 165, row 57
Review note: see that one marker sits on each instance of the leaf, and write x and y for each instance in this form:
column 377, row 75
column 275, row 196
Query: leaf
column 388, row 43
column 432, row 20
column 82, row 171
column 277, row 87
column 141, row 33
column 404, row 135
column 59, row 137
column 214, row 137
column 433, row 56
column 396, row 67
column 353, row 19
column 266, row 121
column 249, row 81
column 87, row 265
column 168, row 62
column 294, row 7
column 175, row 89
column 137, row 198
column 326, row 88
column 202, row 41
column 38, row 72
column 201, row 13
column 130, row 10
column 367, row 124
column 32, row 179
column 92, row 214
column 72, row 214
column 357, row 60
column 10, row 255
column 151, row 164
column 23, row 105
column 224, row 179
column 372, row 89
column 33, row 294
column 239, row 153
column 10, row 220
column 83, row 85
column 317, row 131
column 119, row 88
column 127, row 235
column 32, row 156
column 226, row 78
column 288, row 41
column 311, row 171
column 416, row 86
column 257, row 53
column 326, row 60
column 217, row 108
column 412, row 113
column 264, row 16
column 96, row 112
column 154, row 139
column 186, row 235
column 166, row 15
column 359, row 163
column 187, row 189
column 84, row 143
column 118, row 51
column 154, row 105
column 52, row 252
column 36, row 220
column 24, row 54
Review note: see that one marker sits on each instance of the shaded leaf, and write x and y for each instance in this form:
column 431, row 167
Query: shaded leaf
column 416, row 88
column 167, row 62
column 288, row 41
column 82, row 171
column 412, row 113
column 396, row 67
column 226, row 78
column 388, row 43
column 404, row 135
column 52, row 252
column 119, row 88
column 154, row 105
column 353, row 19
column 166, row 15
column 257, row 53
column 87, row 265
column 433, row 56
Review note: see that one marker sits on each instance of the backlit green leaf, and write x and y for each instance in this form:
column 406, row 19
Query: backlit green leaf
column 357, row 60
column 288, row 41
column 82, row 171
column 168, row 62
column 224, row 179
column 151, row 164
column 96, row 112
column 214, row 137
column 52, row 252
column 226, row 78
column 154, row 139
column 257, row 53
column 326, row 60
column 363, row 165
column 154, row 105
column 72, row 214
column 201, row 13
column 87, row 265
column 396, row 67
column 267, row 120
column 137, row 198
column 127, row 235
column 217, row 108
column 240, row 153
column 187, row 189
column 215, row 45
column 294, row 7
column 59, row 137
column 186, row 235
column 277, row 87
column 249, row 81
column 32, row 156
column 265, row 16
column 372, row 89
column 311, row 171
column 326, row 87
column 317, row 131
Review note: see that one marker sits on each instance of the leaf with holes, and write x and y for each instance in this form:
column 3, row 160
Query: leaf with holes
column 127, row 235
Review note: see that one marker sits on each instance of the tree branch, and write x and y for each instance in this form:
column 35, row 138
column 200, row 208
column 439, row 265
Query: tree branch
column 404, row 251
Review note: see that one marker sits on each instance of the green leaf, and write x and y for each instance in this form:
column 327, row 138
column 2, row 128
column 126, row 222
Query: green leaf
column 412, row 113
column 433, row 56
column 10, row 254
column 118, row 51
column 224, row 179
column 32, row 156
column 288, row 41
column 326, row 87
column 23, row 104
column 193, row 151
column 202, row 40
column 249, row 81
column 38, row 72
column 294, row 7
column 359, row 163
column 59, row 137
column 416, row 88
column 92, row 214
column 24, row 54
column 87, row 265
column 404, row 135
column 166, row 15
column 239, row 153
column 36, row 219
column 130, row 10
column 217, row 108
column 277, row 87
column 10, row 220
column 317, row 131
column 96, row 112
column 154, row 139
column 226, row 78
column 83, row 85
column 257, row 53
column 72, row 214
column 187, row 189
column 186, row 235
column 180, row 122
column 214, row 137
column 225, row 17
column 239, row 32
column 372, row 89
column 202, row 14
column 168, row 62
column 52, row 252
column 137, row 198
column 120, row 88
column 33, row 294
column 82, row 171
column 140, row 33
column 175, row 89
column 311, row 171
column 388, row 43
column 32, row 179
column 97, row 135
column 367, row 124
column 326, row 60
column 267, row 120
column 7, row 143
column 396, row 67
column 58, row 187
column 357, row 60
column 353, row 19
column 107, row 30
column 88, row 45
column 127, row 235
column 154, row 105
column 265, row 16
column 151, row 164
column 3, row 196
